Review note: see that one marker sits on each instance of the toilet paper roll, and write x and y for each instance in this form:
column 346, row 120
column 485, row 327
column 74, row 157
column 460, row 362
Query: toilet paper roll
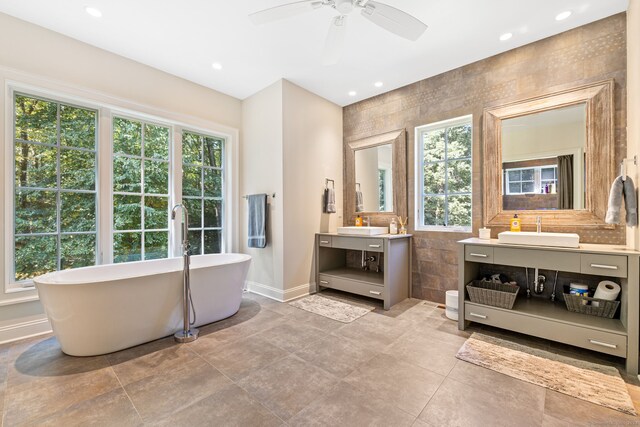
column 607, row 290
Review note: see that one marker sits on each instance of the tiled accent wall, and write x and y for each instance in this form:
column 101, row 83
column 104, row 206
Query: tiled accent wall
column 593, row 52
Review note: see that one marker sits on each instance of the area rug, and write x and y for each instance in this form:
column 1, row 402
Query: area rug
column 333, row 309
column 588, row 381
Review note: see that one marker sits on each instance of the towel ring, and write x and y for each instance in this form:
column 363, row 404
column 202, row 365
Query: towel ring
column 327, row 181
column 623, row 166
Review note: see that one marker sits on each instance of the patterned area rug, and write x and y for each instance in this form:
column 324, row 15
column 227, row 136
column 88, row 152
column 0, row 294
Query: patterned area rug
column 588, row 381
column 327, row 307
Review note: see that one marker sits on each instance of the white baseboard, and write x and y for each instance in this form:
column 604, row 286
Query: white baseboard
column 279, row 294
column 24, row 330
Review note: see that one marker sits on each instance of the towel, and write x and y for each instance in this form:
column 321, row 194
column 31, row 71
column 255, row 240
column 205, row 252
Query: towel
column 257, row 220
column 622, row 189
column 329, row 205
column 359, row 202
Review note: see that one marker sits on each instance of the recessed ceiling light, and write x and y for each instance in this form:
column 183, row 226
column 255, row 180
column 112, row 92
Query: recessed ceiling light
column 505, row 37
column 563, row 15
column 93, row 11
column 216, row 66
column 378, row 84
column 352, row 93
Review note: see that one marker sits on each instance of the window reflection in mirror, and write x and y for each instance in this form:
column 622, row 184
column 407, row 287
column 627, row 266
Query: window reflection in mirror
column 374, row 179
column 543, row 160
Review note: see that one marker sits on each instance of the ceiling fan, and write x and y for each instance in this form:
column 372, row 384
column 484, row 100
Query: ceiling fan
column 383, row 15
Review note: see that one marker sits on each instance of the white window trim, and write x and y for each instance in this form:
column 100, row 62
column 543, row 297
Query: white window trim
column 419, row 175
column 108, row 107
column 537, row 179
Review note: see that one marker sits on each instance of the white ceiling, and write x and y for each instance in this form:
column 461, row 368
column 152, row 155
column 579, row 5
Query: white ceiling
column 184, row 38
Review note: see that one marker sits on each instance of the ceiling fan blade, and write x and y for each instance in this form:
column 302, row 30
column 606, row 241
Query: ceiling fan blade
column 334, row 44
column 284, row 11
column 394, row 20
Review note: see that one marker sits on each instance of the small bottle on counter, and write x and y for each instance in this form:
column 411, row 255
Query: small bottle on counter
column 358, row 221
column 515, row 223
column 393, row 226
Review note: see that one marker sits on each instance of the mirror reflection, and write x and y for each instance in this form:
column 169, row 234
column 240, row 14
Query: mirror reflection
column 374, row 179
column 543, row 160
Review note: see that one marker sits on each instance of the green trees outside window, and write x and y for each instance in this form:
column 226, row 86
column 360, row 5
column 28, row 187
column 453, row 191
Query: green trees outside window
column 55, row 221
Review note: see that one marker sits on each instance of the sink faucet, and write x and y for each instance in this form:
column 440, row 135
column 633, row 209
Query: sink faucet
column 538, row 224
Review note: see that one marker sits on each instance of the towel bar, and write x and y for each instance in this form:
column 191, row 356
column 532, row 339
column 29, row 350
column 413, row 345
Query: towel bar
column 273, row 196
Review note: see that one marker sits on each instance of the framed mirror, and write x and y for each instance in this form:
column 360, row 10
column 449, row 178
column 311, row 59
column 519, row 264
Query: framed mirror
column 550, row 156
column 375, row 177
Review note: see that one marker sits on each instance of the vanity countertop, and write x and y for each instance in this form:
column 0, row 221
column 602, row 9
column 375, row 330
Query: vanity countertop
column 584, row 247
column 376, row 236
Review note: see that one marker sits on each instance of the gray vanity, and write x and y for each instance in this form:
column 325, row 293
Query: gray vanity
column 338, row 265
column 543, row 318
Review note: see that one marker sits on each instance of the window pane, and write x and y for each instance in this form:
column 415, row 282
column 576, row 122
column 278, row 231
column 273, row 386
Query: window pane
column 434, row 178
column 191, row 148
column 156, row 245
column 514, row 188
column 77, row 250
column 459, row 211
column 212, row 152
column 35, row 165
column 213, row 182
column 126, row 174
column 127, row 137
column 528, row 187
column 212, row 241
column 434, row 145
column 77, row 127
column 212, row 213
column 195, row 212
column 77, row 212
column 156, row 211
column 36, row 120
column 35, row 255
column 459, row 176
column 191, row 179
column 77, row 170
column 35, row 211
column 126, row 212
column 548, row 173
column 195, row 242
column 156, row 177
column 459, row 142
column 127, row 247
column 156, row 141
column 527, row 174
column 434, row 213
column 514, row 176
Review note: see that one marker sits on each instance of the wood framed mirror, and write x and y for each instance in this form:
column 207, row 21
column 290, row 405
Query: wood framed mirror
column 377, row 166
column 537, row 174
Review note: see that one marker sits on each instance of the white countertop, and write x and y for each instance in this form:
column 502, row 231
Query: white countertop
column 584, row 247
column 377, row 236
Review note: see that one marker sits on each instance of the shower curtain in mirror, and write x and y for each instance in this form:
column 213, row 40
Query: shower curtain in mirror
column 565, row 182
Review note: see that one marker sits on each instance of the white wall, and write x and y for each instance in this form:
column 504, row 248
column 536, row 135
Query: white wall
column 312, row 152
column 633, row 102
column 261, row 162
column 366, row 166
column 37, row 57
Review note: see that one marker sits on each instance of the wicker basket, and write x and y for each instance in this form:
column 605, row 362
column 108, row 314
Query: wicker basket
column 581, row 304
column 488, row 293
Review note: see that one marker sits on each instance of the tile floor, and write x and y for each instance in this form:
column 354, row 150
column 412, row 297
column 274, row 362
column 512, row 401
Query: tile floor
column 273, row 364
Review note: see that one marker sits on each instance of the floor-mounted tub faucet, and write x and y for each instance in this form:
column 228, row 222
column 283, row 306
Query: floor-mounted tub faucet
column 186, row 334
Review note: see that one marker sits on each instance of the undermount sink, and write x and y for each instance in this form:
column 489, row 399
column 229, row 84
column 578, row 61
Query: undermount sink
column 558, row 240
column 363, row 231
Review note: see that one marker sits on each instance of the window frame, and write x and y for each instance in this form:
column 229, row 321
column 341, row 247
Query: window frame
column 419, row 164
column 537, row 179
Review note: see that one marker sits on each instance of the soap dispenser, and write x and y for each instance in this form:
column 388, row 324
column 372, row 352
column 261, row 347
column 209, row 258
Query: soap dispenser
column 358, row 221
column 515, row 223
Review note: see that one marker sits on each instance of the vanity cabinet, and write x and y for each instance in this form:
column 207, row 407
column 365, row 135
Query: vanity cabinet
column 541, row 317
column 338, row 266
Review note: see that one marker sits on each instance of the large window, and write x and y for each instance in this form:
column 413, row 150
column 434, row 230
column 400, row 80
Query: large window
column 443, row 175
column 202, row 190
column 54, row 186
column 140, row 190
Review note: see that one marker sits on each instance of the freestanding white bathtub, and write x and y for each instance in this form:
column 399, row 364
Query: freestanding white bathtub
column 106, row 308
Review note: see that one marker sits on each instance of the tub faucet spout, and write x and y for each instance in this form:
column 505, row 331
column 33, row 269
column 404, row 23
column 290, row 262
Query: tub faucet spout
column 187, row 334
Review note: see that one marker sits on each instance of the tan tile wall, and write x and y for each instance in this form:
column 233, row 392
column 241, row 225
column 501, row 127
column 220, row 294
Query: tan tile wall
column 594, row 52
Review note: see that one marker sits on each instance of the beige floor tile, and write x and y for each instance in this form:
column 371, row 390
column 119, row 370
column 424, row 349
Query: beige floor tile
column 231, row 406
column 445, row 330
column 344, row 405
column 426, row 352
column 112, row 408
column 240, row 358
column 374, row 329
column 337, row 355
column 153, row 358
column 158, row 396
column 288, row 386
column 409, row 387
column 569, row 409
column 240, row 326
column 292, row 336
column 549, row 421
column 315, row 320
column 457, row 404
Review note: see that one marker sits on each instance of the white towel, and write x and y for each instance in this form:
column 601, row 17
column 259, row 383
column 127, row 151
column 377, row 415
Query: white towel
column 257, row 228
column 622, row 189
